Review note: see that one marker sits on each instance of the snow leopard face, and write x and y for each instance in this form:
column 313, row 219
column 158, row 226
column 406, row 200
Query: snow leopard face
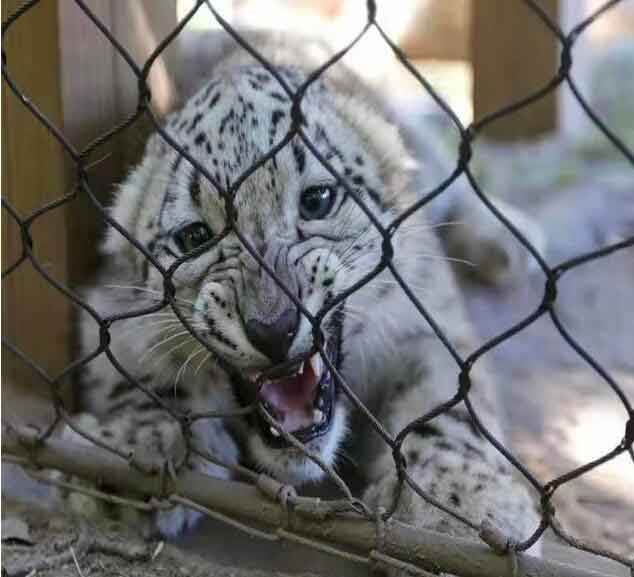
column 304, row 227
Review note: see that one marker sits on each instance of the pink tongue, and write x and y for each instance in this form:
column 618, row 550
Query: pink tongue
column 291, row 393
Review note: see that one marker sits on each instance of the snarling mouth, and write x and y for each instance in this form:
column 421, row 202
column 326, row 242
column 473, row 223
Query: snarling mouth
column 301, row 402
column 299, row 395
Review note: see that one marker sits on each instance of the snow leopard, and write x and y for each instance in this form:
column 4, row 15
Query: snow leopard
column 322, row 241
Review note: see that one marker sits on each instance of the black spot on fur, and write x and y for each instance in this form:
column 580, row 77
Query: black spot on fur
column 200, row 139
column 278, row 96
column 358, row 180
column 276, row 116
column 214, row 100
column 145, row 269
column 427, row 430
column 454, row 499
column 195, row 121
column 170, row 392
column 357, row 330
column 376, row 197
column 300, row 158
column 225, row 119
column 194, row 188
column 146, row 406
column 177, row 162
column 118, row 407
column 262, row 77
column 119, row 389
column 473, row 449
column 464, row 418
column 444, row 446
column 385, row 290
column 399, row 387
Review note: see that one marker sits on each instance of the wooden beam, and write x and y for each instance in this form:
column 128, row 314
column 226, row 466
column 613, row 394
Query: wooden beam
column 64, row 64
column 513, row 55
column 99, row 91
column 35, row 316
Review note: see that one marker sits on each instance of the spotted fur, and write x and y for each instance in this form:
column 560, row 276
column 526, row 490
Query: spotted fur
column 390, row 356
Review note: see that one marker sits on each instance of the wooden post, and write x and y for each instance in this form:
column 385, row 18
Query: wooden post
column 513, row 54
column 99, row 91
column 35, row 316
column 63, row 63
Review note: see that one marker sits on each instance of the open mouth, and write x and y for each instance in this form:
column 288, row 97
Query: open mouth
column 299, row 395
column 301, row 402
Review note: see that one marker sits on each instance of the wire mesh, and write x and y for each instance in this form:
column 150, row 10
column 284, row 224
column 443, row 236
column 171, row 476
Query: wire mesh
column 464, row 365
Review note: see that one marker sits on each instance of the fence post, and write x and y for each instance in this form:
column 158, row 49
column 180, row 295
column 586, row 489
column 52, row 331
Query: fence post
column 513, row 54
column 98, row 92
column 35, row 316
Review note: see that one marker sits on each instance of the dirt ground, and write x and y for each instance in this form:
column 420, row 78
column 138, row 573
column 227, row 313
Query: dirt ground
column 60, row 546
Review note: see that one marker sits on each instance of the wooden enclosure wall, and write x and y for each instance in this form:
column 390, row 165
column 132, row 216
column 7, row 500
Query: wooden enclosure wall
column 34, row 315
column 513, row 54
column 73, row 74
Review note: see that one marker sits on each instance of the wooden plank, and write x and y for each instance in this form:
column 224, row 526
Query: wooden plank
column 513, row 55
column 140, row 26
column 89, row 110
column 66, row 66
column 439, row 30
column 34, row 315
column 99, row 91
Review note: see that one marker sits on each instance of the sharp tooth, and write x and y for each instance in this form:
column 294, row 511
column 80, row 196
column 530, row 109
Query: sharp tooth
column 315, row 361
column 318, row 416
column 301, row 368
column 274, row 432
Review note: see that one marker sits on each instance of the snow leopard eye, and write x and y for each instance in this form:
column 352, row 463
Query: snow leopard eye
column 192, row 236
column 316, row 202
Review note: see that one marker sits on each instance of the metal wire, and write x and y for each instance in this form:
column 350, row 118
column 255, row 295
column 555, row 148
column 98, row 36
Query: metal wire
column 468, row 139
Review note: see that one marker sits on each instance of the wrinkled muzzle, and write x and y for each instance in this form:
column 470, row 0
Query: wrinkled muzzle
column 300, row 396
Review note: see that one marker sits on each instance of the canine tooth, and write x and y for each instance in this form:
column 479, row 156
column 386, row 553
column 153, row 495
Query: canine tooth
column 315, row 361
column 318, row 416
column 301, row 368
column 274, row 432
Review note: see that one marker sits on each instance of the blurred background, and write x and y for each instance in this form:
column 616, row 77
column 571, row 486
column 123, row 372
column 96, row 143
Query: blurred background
column 548, row 159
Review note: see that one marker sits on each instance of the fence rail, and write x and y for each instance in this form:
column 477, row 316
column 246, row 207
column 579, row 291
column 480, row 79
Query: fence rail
column 364, row 535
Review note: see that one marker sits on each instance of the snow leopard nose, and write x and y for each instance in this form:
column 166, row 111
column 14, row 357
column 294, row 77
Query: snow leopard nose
column 274, row 339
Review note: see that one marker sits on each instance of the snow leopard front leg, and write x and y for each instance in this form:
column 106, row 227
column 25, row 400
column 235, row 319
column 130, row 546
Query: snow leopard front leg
column 156, row 444
column 448, row 458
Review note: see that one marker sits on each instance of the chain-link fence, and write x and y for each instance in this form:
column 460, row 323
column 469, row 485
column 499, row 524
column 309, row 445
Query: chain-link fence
column 346, row 527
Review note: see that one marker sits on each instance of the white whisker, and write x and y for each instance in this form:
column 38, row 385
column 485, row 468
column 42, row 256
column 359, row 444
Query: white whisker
column 422, row 255
column 149, row 291
column 205, row 359
column 167, row 324
column 185, row 341
column 183, row 368
column 166, row 340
